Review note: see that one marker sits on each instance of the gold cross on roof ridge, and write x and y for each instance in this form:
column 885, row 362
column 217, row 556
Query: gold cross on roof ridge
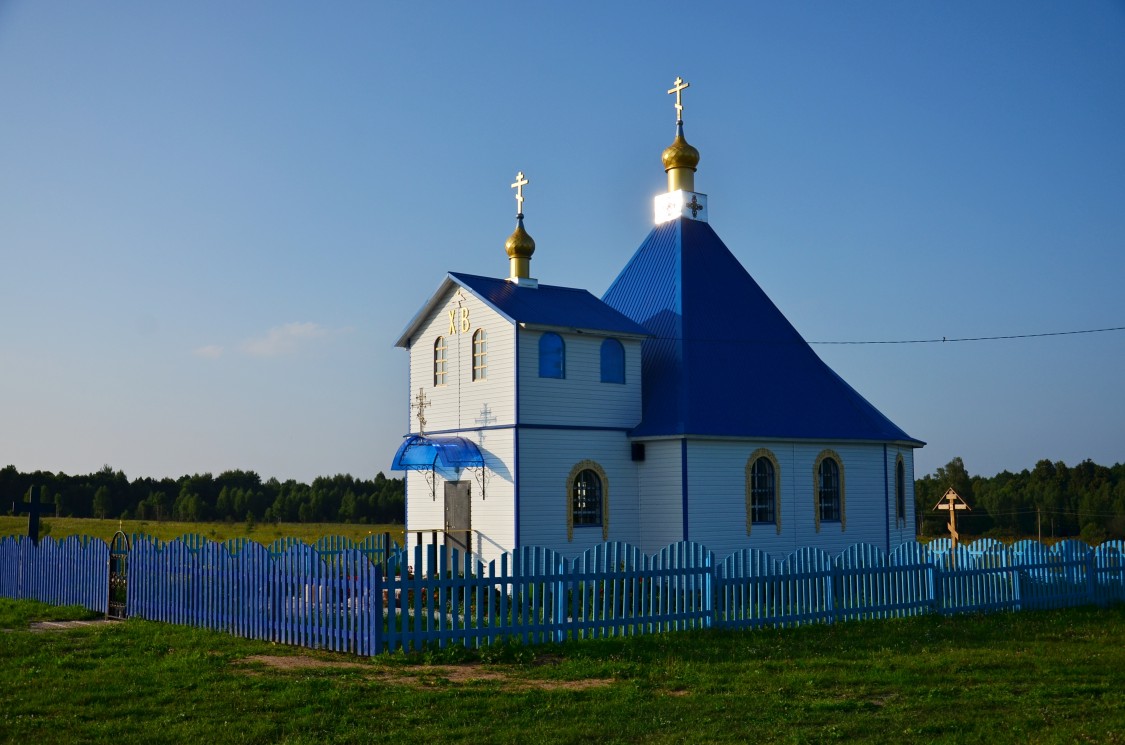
column 677, row 88
column 521, row 181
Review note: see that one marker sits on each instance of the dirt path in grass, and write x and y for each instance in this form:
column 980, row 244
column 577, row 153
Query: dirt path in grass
column 40, row 626
column 422, row 676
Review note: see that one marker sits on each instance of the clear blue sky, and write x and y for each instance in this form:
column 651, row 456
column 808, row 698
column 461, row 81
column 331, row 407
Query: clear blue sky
column 215, row 218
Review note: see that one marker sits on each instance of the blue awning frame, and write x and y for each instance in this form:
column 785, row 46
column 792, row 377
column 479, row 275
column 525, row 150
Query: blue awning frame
column 422, row 453
column 431, row 455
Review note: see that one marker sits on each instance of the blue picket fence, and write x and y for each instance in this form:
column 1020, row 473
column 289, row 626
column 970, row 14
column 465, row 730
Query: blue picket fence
column 74, row 571
column 334, row 596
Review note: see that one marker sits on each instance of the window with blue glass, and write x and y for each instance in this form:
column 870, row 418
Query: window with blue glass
column 613, row 361
column 552, row 356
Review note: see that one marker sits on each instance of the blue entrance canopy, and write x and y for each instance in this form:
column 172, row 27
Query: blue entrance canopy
column 421, row 453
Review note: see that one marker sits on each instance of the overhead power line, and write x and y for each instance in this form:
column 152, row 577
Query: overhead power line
column 726, row 340
column 945, row 340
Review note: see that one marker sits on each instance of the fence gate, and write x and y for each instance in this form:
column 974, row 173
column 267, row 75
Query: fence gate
column 118, row 575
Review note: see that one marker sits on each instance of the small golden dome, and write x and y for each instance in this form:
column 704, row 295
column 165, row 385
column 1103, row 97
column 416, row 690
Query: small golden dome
column 680, row 154
column 519, row 245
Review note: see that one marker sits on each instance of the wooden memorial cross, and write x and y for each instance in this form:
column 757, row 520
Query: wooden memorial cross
column 952, row 501
column 32, row 507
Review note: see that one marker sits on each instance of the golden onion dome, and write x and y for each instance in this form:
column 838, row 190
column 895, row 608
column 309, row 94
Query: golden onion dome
column 680, row 154
column 519, row 245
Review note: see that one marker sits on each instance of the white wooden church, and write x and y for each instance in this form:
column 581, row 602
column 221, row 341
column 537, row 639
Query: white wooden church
column 544, row 416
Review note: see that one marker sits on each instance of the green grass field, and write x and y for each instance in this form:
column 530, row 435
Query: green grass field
column 264, row 533
column 1005, row 678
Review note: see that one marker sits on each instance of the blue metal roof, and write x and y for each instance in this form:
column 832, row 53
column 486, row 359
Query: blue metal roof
column 545, row 305
column 549, row 305
column 724, row 361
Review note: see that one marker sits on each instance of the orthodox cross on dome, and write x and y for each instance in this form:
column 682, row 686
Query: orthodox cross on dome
column 521, row 181
column 677, row 88
column 420, row 403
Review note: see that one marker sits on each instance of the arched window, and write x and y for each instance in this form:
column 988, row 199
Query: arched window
column 762, row 479
column 900, row 489
column 439, row 361
column 587, row 498
column 480, row 354
column 552, row 356
column 828, row 477
column 613, row 361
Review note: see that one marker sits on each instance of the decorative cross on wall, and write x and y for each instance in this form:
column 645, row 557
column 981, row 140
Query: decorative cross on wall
column 694, row 206
column 420, row 403
column 678, row 88
column 32, row 507
column 486, row 417
column 484, row 420
column 521, row 181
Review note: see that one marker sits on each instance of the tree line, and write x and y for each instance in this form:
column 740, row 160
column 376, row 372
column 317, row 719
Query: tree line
column 1052, row 499
column 232, row 496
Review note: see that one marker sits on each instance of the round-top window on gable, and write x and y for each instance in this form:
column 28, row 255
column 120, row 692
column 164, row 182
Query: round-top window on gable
column 480, row 354
column 613, row 361
column 439, row 361
column 552, row 356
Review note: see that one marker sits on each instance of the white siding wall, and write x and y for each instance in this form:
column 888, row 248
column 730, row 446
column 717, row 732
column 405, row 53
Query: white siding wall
column 494, row 511
column 457, row 404
column 422, row 511
column 546, row 459
column 455, row 408
column 717, row 497
column 580, row 398
column 661, row 502
column 491, row 510
column 716, row 500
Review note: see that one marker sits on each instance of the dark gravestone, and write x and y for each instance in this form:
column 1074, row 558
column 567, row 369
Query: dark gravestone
column 32, row 508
